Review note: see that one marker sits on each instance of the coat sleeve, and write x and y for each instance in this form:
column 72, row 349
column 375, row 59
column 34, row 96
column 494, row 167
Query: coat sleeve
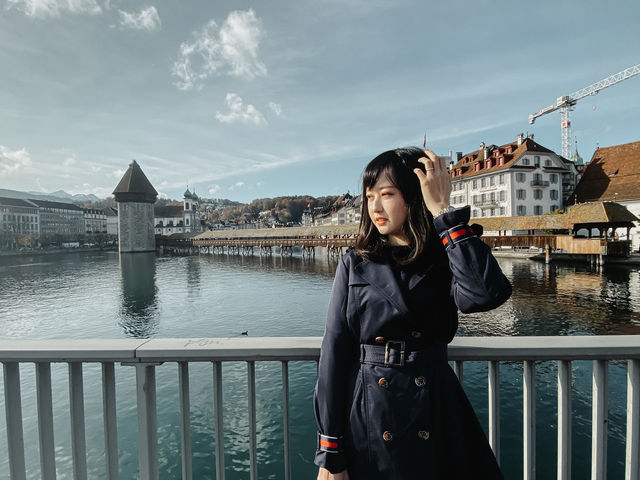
column 336, row 356
column 478, row 283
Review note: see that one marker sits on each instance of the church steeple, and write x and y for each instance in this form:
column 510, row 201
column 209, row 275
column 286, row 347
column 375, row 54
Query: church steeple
column 576, row 158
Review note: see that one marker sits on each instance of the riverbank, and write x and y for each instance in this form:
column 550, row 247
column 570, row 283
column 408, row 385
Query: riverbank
column 55, row 251
column 633, row 259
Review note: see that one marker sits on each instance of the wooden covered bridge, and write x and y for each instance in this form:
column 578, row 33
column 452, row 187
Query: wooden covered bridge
column 335, row 238
column 559, row 232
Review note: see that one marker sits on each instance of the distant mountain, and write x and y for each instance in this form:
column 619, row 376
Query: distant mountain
column 59, row 196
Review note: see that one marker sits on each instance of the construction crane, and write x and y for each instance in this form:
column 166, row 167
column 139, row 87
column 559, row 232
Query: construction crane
column 566, row 103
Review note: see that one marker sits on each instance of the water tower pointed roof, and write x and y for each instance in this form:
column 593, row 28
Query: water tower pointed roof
column 135, row 186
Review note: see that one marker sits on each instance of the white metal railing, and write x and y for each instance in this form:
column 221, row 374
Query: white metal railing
column 145, row 355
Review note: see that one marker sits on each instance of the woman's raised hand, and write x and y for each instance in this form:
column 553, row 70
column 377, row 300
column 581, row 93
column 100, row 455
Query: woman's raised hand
column 324, row 474
column 435, row 183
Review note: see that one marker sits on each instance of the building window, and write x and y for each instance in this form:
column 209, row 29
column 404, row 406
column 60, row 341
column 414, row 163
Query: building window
column 186, row 206
column 554, row 194
column 547, row 163
column 536, row 160
column 493, row 196
column 521, row 177
column 502, row 211
column 484, row 197
column 553, row 208
column 537, row 210
column 521, row 194
column 484, row 212
column 537, row 195
column 501, row 179
column 553, row 178
column 475, row 184
column 475, row 198
column 525, row 161
column 493, row 212
column 503, row 195
column 475, row 213
column 483, row 182
column 522, row 210
column 492, row 181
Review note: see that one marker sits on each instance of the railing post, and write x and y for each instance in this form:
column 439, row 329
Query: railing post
column 185, row 420
column 285, row 419
column 564, row 420
column 253, row 457
column 76, row 404
column 147, row 421
column 633, row 420
column 45, row 421
column 494, row 407
column 458, row 369
column 13, row 411
column 600, row 409
column 529, row 419
column 110, row 421
column 217, row 408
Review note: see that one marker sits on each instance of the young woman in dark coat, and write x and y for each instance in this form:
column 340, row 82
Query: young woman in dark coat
column 387, row 404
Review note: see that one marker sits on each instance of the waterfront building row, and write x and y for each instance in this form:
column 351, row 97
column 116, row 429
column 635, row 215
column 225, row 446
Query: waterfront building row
column 31, row 220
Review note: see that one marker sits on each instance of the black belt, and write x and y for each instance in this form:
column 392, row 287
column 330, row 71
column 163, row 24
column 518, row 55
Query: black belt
column 394, row 354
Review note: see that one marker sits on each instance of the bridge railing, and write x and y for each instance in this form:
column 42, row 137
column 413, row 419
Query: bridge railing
column 145, row 355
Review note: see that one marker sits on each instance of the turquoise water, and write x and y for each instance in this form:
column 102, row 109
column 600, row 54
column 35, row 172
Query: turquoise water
column 100, row 295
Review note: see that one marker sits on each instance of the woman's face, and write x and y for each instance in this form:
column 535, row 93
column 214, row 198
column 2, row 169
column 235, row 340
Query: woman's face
column 387, row 210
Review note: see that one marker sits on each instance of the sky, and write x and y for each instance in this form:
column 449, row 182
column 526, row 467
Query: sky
column 254, row 99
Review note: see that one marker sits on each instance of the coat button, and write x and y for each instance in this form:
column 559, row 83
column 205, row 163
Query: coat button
column 387, row 436
column 423, row 434
column 379, row 339
column 383, row 382
column 421, row 381
column 416, row 334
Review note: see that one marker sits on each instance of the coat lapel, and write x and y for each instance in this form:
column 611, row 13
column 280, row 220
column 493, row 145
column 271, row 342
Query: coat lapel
column 381, row 277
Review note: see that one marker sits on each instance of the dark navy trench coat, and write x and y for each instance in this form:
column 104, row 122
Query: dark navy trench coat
column 411, row 421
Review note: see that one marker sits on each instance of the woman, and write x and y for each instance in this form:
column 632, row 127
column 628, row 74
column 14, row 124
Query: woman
column 387, row 404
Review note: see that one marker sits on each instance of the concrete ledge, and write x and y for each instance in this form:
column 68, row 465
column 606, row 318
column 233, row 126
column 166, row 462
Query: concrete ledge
column 602, row 347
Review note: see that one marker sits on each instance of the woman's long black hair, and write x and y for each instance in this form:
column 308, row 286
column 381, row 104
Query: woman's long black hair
column 396, row 165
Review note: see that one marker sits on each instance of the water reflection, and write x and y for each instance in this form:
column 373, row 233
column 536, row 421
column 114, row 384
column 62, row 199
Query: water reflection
column 139, row 310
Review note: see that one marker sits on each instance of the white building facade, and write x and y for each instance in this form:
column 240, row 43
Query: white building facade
column 516, row 179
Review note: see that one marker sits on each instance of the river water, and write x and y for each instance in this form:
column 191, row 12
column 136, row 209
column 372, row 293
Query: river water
column 103, row 295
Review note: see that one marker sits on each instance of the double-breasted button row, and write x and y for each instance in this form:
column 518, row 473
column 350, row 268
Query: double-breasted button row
column 420, row 382
column 387, row 436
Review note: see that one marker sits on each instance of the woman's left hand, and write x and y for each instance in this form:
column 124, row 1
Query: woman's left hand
column 435, row 183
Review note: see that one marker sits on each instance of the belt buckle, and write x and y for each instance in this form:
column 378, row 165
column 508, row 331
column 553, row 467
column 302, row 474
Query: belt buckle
column 387, row 348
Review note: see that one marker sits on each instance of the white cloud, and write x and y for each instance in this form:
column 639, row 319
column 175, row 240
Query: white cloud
column 146, row 19
column 54, row 8
column 240, row 113
column 11, row 161
column 69, row 160
column 236, row 185
column 275, row 108
column 230, row 50
column 215, row 188
column 119, row 173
